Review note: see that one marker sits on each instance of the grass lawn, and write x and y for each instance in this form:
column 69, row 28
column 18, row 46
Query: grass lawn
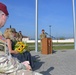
column 55, row 46
column 62, row 47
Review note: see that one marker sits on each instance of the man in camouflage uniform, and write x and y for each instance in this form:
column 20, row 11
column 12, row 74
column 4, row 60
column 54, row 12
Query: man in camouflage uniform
column 42, row 35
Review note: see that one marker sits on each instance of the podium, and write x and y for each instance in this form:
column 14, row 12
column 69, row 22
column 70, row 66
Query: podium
column 46, row 46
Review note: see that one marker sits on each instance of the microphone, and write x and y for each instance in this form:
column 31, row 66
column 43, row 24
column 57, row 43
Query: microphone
column 46, row 33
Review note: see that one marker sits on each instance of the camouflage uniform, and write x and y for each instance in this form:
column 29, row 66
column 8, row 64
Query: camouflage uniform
column 43, row 35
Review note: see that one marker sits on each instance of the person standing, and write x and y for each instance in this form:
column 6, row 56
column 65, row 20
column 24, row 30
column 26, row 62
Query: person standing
column 42, row 35
column 20, row 36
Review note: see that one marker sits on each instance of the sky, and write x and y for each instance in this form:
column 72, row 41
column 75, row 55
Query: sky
column 55, row 13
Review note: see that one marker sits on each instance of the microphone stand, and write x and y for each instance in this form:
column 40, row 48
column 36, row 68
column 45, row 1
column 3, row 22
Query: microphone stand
column 48, row 34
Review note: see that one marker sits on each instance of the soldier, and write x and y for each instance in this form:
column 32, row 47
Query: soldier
column 42, row 35
column 20, row 36
column 5, row 64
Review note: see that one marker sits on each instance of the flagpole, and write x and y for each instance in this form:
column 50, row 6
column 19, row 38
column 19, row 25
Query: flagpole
column 73, row 3
column 36, row 35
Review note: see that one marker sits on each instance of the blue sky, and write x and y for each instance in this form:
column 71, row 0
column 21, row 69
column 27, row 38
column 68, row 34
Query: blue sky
column 57, row 13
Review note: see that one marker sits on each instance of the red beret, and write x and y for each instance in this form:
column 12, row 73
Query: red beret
column 3, row 8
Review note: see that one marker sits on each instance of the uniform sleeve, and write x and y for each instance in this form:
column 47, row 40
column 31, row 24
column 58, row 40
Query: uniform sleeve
column 41, row 36
column 21, row 66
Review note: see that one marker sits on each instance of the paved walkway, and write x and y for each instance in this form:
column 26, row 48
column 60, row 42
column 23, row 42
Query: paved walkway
column 58, row 63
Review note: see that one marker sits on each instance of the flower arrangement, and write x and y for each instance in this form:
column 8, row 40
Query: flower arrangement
column 21, row 47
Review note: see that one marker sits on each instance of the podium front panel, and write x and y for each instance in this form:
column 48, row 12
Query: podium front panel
column 46, row 46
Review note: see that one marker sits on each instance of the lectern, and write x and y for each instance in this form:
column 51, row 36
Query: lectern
column 46, row 46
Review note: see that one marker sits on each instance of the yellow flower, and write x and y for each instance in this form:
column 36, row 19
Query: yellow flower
column 20, row 47
column 20, row 50
column 23, row 46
